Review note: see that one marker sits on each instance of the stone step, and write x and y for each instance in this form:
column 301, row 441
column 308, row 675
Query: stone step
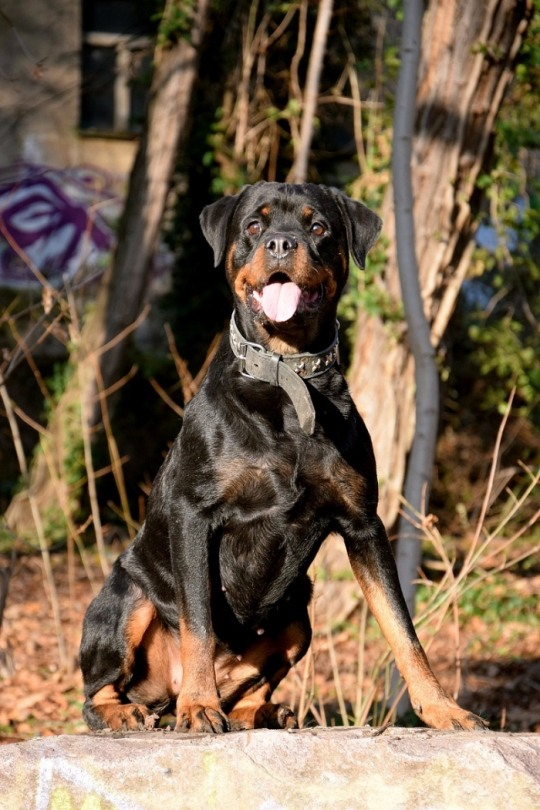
column 399, row 769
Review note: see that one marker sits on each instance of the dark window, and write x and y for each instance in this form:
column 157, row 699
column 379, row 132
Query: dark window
column 116, row 62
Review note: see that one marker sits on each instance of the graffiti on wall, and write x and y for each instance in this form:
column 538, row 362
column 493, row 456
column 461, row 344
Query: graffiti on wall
column 57, row 224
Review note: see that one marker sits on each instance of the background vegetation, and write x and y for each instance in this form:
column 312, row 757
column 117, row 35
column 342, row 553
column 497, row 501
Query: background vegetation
column 242, row 125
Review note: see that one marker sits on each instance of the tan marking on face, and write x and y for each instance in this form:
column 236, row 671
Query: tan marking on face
column 329, row 282
column 300, row 270
column 256, row 273
column 303, row 272
column 252, row 275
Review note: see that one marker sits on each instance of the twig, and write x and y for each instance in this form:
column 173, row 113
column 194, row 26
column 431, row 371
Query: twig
column 491, row 479
column 113, row 447
column 85, row 416
column 298, row 171
column 166, row 398
column 120, row 336
column 335, row 675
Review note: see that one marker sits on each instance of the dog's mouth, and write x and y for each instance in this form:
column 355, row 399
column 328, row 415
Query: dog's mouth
column 280, row 299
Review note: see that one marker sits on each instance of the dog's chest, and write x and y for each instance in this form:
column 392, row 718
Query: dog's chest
column 292, row 484
column 277, row 486
column 278, row 509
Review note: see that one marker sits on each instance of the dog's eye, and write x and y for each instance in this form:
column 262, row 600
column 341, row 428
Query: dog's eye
column 317, row 229
column 253, row 228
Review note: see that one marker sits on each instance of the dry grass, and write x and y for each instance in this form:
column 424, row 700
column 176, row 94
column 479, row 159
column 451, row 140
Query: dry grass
column 347, row 675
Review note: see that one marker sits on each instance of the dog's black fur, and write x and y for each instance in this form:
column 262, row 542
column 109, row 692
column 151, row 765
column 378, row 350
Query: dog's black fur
column 208, row 609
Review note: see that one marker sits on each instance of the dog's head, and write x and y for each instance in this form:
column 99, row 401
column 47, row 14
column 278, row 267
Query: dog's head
column 286, row 253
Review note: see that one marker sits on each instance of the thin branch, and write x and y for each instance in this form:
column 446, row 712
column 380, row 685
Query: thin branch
column 298, row 171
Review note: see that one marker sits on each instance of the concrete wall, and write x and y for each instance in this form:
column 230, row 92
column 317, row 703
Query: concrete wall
column 40, row 78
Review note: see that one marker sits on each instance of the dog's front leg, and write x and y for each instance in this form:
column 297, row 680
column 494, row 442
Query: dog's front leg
column 375, row 569
column 197, row 706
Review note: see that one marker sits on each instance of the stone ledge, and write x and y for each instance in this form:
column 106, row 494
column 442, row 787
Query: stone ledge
column 400, row 769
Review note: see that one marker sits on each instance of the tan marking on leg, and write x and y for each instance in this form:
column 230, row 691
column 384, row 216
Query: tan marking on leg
column 198, row 707
column 109, row 703
column 137, row 625
column 257, row 711
column 161, row 678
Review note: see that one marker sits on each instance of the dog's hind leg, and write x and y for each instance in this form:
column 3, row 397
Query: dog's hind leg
column 113, row 629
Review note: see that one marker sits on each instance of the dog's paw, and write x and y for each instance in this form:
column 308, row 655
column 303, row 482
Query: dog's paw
column 125, row 717
column 468, row 721
column 446, row 714
column 265, row 715
column 195, row 717
column 275, row 715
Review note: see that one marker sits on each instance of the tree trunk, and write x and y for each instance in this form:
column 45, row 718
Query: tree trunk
column 468, row 50
column 175, row 71
column 100, row 349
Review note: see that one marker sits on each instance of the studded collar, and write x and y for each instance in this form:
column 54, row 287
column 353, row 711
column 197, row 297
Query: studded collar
column 285, row 371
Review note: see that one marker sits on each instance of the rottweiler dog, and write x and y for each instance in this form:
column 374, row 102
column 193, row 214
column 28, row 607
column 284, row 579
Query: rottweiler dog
column 207, row 610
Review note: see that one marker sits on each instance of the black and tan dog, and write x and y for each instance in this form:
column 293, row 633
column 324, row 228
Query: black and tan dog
column 208, row 609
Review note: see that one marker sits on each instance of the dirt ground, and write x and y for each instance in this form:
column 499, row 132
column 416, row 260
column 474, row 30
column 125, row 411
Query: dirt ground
column 500, row 664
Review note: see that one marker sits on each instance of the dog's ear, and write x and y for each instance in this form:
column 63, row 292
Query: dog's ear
column 215, row 219
column 362, row 224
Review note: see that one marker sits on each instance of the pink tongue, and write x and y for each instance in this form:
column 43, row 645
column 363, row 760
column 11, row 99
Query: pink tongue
column 280, row 301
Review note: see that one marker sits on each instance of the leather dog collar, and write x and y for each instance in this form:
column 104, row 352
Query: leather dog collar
column 285, row 371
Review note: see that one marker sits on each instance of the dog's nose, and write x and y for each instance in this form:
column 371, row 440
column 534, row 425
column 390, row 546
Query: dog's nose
column 279, row 245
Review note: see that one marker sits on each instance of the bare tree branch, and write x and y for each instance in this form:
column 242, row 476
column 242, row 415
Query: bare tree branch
column 298, row 171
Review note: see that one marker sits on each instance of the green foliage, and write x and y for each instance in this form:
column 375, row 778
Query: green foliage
column 176, row 24
column 494, row 601
column 498, row 339
column 505, row 358
column 253, row 131
column 73, row 473
column 519, row 125
column 366, row 291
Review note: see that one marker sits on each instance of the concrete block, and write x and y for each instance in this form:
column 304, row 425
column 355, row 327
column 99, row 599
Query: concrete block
column 400, row 769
